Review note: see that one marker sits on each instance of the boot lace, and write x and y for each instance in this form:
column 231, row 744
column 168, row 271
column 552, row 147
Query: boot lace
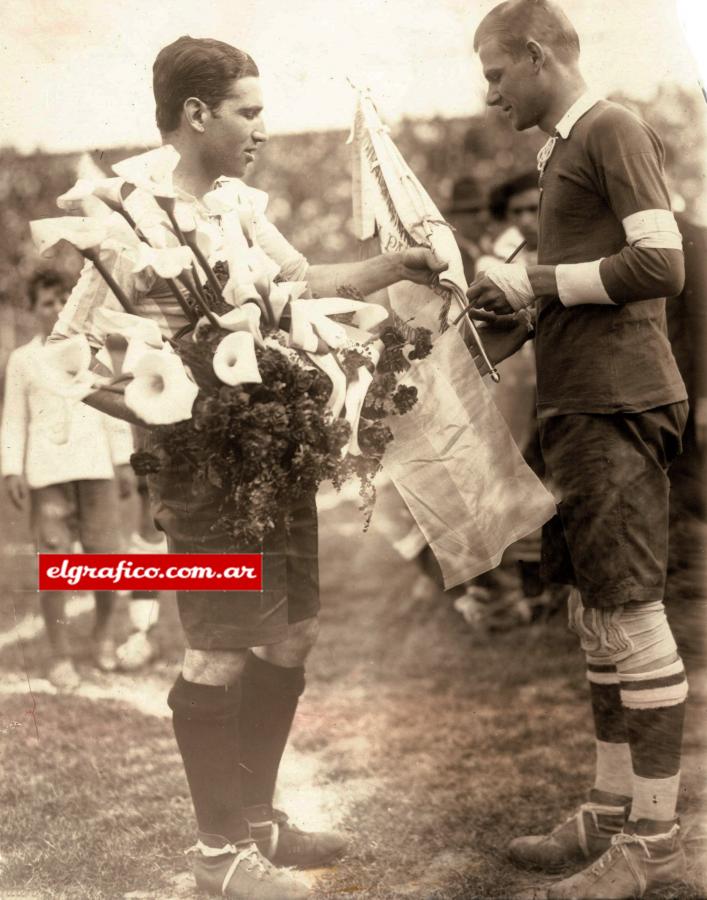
column 594, row 810
column 248, row 855
column 620, row 844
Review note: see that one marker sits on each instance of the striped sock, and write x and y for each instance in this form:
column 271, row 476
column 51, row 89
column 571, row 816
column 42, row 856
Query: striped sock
column 613, row 761
column 654, row 709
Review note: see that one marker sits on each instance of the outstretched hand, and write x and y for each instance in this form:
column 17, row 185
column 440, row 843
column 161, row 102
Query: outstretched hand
column 421, row 265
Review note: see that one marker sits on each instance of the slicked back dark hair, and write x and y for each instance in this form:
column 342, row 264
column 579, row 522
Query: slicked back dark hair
column 515, row 22
column 45, row 278
column 195, row 67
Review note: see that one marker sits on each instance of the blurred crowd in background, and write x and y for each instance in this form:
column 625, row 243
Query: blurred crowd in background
column 482, row 175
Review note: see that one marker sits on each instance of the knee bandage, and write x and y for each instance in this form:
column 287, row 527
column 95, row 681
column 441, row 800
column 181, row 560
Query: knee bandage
column 630, row 645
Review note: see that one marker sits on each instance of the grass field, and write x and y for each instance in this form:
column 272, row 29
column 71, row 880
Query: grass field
column 429, row 746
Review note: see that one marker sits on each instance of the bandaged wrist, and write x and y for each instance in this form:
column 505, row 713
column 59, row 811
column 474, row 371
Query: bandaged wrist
column 513, row 280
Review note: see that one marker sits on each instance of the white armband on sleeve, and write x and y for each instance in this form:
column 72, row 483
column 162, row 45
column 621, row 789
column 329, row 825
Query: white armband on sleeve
column 580, row 283
column 653, row 229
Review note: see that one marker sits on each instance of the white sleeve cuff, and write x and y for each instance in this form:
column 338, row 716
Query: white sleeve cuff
column 580, row 283
column 653, row 229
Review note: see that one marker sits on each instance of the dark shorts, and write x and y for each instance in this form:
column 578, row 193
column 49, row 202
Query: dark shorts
column 234, row 620
column 87, row 510
column 609, row 472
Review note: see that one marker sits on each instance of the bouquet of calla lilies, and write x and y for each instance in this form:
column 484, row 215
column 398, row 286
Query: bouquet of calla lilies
column 263, row 392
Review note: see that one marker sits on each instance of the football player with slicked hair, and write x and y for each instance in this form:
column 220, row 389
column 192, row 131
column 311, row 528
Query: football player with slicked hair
column 611, row 408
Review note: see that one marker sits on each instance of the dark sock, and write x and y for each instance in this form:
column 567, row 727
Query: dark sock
column 614, row 775
column 655, row 736
column 609, row 721
column 269, row 698
column 205, row 722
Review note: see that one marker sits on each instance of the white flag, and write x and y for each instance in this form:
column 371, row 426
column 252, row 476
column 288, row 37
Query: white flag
column 452, row 459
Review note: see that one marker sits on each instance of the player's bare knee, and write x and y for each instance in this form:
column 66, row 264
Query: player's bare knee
column 295, row 649
column 213, row 667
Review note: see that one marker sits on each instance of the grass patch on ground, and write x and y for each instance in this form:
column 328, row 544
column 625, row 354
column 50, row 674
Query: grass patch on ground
column 444, row 746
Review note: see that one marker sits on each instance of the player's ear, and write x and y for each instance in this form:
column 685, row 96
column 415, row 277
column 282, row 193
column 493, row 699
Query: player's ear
column 195, row 113
column 537, row 55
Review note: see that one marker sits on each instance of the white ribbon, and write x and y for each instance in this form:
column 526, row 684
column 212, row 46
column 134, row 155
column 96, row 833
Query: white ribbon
column 512, row 279
column 545, row 154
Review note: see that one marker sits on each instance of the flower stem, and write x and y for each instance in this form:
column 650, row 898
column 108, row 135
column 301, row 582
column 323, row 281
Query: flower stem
column 203, row 262
column 113, row 388
column 190, row 285
column 181, row 237
column 121, row 378
column 186, row 309
column 93, row 255
column 190, row 242
column 196, row 286
column 129, row 219
column 269, row 311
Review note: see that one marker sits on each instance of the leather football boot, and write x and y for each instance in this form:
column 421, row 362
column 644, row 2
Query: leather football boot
column 585, row 835
column 636, row 862
column 241, row 872
column 287, row 845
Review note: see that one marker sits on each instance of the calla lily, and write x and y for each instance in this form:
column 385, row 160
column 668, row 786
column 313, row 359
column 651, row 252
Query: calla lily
column 284, row 292
column 237, row 247
column 111, row 321
column 151, row 171
column 88, row 195
column 118, row 233
column 161, row 392
column 246, row 318
column 87, row 168
column 237, row 294
column 356, row 392
column 116, row 347
column 65, row 368
column 184, row 214
column 370, row 316
column 262, row 267
column 83, row 232
column 328, row 364
column 310, row 322
column 167, row 262
column 149, row 219
column 235, row 361
column 137, row 348
column 187, row 224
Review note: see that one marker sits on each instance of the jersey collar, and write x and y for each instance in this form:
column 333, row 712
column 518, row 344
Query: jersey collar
column 580, row 107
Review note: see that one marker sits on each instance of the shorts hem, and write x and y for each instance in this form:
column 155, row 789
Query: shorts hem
column 235, row 639
column 303, row 612
column 612, row 599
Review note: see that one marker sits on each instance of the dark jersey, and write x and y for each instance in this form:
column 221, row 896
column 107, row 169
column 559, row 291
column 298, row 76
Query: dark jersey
column 605, row 358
